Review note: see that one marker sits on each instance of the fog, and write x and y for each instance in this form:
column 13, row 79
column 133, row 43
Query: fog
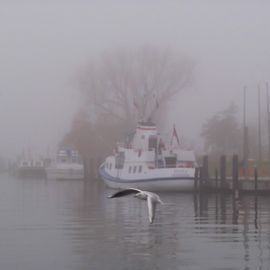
column 44, row 44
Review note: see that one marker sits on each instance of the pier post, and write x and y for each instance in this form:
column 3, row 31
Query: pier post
column 196, row 178
column 216, row 179
column 235, row 176
column 96, row 164
column 256, row 197
column 222, row 171
column 256, row 179
column 205, row 173
column 201, row 177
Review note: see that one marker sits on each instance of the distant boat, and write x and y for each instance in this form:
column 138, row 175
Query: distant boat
column 67, row 165
column 146, row 163
column 31, row 168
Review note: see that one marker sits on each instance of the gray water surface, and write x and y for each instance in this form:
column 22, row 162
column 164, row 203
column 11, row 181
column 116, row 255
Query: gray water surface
column 64, row 225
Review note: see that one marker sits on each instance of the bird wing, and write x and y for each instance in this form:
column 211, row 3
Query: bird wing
column 124, row 192
column 151, row 208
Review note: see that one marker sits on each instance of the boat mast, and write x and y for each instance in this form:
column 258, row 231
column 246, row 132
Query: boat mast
column 245, row 134
column 259, row 125
column 268, row 118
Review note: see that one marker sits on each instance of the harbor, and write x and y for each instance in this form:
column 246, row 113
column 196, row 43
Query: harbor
column 135, row 135
column 71, row 225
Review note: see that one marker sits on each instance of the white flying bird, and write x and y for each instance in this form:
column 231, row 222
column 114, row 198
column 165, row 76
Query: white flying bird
column 152, row 199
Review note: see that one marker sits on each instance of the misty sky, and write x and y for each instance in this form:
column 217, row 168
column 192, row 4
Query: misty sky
column 44, row 44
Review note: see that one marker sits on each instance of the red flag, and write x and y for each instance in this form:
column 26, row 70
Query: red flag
column 175, row 135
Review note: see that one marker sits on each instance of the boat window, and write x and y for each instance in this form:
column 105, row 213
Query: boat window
column 170, row 162
column 152, row 142
column 160, row 163
column 24, row 163
column 140, row 168
column 120, row 160
column 129, row 169
column 110, row 166
column 134, row 169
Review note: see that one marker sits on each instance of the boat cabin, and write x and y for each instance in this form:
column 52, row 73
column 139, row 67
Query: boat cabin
column 146, row 137
column 68, row 155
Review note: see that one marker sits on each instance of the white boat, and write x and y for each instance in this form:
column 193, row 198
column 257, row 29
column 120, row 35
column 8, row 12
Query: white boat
column 31, row 168
column 145, row 162
column 67, row 165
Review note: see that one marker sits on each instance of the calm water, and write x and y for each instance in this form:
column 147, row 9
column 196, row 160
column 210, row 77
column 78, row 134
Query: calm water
column 46, row 224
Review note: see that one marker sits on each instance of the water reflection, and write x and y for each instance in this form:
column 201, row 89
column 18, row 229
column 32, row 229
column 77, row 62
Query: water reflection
column 46, row 224
column 249, row 224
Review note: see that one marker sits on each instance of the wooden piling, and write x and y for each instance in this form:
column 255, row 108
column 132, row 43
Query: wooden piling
column 97, row 164
column 256, row 197
column 200, row 178
column 205, row 166
column 205, row 173
column 222, row 171
column 235, row 184
column 255, row 179
column 216, row 179
column 196, row 178
column 256, row 211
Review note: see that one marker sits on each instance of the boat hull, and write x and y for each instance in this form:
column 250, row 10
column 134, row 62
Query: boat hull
column 69, row 174
column 151, row 184
column 31, row 172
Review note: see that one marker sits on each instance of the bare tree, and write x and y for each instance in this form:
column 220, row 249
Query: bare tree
column 133, row 85
column 120, row 88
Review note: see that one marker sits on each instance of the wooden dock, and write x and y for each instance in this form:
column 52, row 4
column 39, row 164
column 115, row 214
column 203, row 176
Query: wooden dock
column 234, row 183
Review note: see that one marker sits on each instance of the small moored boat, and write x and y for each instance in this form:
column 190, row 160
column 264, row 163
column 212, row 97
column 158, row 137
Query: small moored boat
column 67, row 165
column 31, row 168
